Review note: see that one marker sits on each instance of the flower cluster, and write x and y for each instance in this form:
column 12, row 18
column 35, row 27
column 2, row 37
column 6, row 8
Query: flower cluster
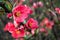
column 37, row 4
column 46, row 24
column 20, row 27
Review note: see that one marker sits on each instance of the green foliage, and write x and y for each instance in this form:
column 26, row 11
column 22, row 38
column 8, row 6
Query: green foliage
column 8, row 5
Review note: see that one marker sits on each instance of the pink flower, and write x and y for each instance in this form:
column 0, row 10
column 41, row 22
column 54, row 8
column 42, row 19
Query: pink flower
column 21, row 38
column 43, row 30
column 40, row 4
column 33, row 31
column 35, row 5
column 21, row 27
column 21, row 12
column 9, row 27
column 32, row 24
column 22, row 0
column 27, row 33
column 16, row 23
column 44, row 21
column 18, row 33
column 47, row 23
column 57, row 10
column 9, row 15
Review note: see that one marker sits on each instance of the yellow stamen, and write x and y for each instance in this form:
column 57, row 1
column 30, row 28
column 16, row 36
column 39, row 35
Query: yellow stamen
column 18, row 14
column 17, row 31
column 30, row 24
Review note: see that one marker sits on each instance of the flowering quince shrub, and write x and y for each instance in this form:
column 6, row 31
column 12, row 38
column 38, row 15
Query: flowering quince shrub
column 29, row 20
column 19, row 27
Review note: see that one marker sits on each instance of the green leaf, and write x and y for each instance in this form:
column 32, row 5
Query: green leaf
column 8, row 5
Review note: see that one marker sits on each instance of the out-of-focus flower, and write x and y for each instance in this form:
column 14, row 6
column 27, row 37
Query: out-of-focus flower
column 40, row 4
column 27, row 33
column 32, row 24
column 16, row 23
column 21, row 27
column 47, row 23
column 21, row 38
column 20, row 12
column 35, row 5
column 57, row 10
column 42, row 30
column 9, row 27
column 22, row 0
column 33, row 31
column 18, row 33
column 9, row 15
column 44, row 21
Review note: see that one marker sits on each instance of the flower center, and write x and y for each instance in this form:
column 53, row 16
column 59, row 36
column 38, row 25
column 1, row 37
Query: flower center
column 17, row 31
column 18, row 14
column 30, row 24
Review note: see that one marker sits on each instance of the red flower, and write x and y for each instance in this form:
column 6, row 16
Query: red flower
column 20, row 12
column 9, row 27
column 18, row 33
column 31, row 23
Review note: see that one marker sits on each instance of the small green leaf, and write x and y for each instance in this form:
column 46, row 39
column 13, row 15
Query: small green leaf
column 8, row 5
